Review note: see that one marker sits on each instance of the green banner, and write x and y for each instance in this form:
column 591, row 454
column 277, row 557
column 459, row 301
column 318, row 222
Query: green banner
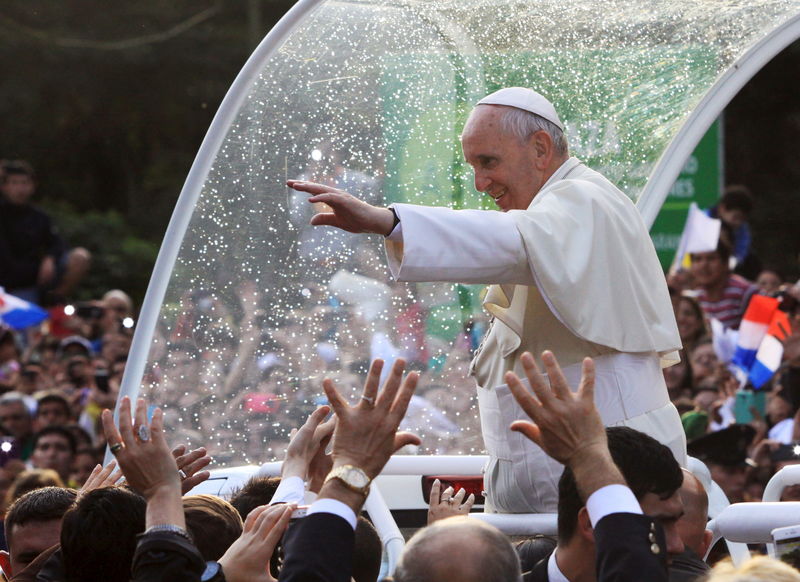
column 700, row 181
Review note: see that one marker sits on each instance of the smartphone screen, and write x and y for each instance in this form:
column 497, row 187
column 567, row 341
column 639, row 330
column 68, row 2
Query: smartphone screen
column 788, row 550
column 746, row 400
column 101, row 380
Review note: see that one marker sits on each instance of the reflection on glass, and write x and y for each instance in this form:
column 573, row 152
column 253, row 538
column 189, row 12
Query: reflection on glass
column 370, row 96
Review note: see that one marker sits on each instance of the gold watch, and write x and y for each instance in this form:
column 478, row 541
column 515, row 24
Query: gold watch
column 352, row 477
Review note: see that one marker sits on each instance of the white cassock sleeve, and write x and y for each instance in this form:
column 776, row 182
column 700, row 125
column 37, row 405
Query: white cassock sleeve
column 456, row 246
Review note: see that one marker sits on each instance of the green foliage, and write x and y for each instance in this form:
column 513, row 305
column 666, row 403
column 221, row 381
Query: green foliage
column 120, row 259
column 110, row 101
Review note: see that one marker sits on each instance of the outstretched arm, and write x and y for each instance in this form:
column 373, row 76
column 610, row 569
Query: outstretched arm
column 346, row 211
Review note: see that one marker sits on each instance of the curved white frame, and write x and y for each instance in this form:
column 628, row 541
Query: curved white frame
column 709, row 109
column 168, row 253
column 659, row 182
column 661, row 178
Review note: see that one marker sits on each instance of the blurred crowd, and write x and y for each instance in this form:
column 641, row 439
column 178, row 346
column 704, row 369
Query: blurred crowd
column 236, row 373
column 55, row 377
column 743, row 435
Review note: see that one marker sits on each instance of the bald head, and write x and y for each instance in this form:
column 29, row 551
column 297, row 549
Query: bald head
column 484, row 553
column 692, row 524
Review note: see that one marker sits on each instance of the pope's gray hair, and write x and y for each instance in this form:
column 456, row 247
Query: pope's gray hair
column 523, row 124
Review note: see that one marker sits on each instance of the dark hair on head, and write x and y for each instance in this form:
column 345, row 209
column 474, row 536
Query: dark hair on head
column 31, row 480
column 98, row 535
column 737, row 197
column 17, row 168
column 532, row 550
column 53, row 396
column 257, row 491
column 647, row 465
column 82, row 438
column 45, row 504
column 213, row 523
column 59, row 430
column 367, row 550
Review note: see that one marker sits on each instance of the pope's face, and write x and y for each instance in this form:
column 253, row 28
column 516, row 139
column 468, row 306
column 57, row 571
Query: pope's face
column 506, row 168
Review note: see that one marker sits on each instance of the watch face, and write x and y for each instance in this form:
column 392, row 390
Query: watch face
column 356, row 478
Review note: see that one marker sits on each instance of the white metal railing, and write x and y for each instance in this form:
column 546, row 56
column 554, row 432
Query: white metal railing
column 739, row 524
column 743, row 523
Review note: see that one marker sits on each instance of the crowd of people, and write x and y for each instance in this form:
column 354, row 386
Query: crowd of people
column 55, row 377
column 234, row 370
column 743, row 435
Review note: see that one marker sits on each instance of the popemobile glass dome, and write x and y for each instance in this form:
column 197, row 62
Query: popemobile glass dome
column 250, row 307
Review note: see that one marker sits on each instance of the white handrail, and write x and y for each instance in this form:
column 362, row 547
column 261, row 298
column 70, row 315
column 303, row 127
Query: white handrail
column 786, row 477
column 753, row 522
column 521, row 524
column 382, row 519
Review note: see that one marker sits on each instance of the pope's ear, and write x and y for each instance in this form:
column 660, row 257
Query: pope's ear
column 542, row 145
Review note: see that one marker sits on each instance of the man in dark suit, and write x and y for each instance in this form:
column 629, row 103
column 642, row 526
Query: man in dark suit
column 618, row 494
column 319, row 548
column 630, row 546
column 654, row 477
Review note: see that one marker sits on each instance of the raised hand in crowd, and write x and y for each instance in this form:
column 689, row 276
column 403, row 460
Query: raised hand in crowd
column 322, row 462
column 305, row 443
column 444, row 504
column 101, row 477
column 147, row 462
column 248, row 557
column 364, row 438
column 190, row 465
column 566, row 425
column 366, row 434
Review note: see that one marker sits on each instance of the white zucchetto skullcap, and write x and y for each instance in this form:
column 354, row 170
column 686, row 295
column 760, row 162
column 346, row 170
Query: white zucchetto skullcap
column 526, row 99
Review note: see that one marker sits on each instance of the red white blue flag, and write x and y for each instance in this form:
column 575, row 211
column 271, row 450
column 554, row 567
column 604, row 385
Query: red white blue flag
column 17, row 313
column 770, row 352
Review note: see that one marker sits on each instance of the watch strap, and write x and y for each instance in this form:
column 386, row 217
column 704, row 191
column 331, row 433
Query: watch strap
column 169, row 528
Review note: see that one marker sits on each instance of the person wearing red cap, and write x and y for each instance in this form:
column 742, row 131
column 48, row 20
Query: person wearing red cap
column 571, row 269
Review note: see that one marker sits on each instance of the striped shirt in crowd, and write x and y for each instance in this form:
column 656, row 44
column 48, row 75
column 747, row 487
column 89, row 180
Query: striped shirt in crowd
column 730, row 308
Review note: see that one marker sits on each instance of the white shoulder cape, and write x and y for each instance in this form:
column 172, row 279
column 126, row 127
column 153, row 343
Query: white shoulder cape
column 595, row 265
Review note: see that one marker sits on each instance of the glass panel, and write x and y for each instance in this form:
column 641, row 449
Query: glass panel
column 371, row 97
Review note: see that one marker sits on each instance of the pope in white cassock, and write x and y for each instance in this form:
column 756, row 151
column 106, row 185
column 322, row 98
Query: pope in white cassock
column 571, row 268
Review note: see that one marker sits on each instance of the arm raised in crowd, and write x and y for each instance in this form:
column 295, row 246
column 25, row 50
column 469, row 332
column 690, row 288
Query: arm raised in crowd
column 567, row 426
column 319, row 547
column 190, row 465
column 304, row 447
column 150, row 468
column 166, row 551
